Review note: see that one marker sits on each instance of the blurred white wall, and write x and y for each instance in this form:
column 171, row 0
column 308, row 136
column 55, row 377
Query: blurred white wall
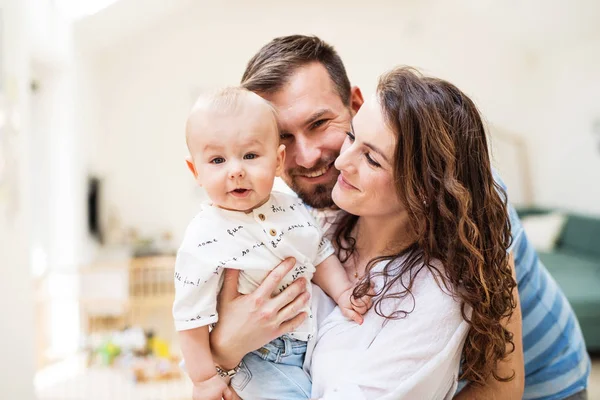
column 16, row 312
column 533, row 68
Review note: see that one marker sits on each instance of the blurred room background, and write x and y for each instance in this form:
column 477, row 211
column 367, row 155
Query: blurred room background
column 95, row 195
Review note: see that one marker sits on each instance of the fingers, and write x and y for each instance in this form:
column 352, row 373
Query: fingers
column 353, row 315
column 230, row 284
column 233, row 395
column 273, row 280
column 371, row 291
column 362, row 304
column 359, row 307
column 292, row 309
column 212, row 389
column 368, row 299
column 227, row 394
column 290, row 294
column 292, row 324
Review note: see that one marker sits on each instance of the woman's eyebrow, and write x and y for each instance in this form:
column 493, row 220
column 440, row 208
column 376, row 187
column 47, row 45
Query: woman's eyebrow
column 376, row 150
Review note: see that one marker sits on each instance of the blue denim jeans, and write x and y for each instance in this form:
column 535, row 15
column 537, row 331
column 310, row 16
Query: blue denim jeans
column 274, row 372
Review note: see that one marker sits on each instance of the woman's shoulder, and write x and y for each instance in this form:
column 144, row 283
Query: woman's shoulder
column 416, row 282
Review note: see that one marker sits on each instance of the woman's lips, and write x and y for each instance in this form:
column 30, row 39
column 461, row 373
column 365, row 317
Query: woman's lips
column 344, row 184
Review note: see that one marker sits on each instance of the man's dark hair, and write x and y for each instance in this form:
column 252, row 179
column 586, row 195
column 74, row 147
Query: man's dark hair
column 270, row 69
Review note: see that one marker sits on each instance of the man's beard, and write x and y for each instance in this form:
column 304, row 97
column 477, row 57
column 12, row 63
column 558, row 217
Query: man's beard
column 316, row 196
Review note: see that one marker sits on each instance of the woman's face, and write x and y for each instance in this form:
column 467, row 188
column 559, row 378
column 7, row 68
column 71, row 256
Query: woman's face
column 365, row 186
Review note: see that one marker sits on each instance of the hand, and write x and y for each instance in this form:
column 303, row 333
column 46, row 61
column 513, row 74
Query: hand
column 234, row 395
column 355, row 308
column 248, row 322
column 213, row 388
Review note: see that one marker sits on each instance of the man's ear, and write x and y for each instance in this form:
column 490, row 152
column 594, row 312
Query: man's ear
column 192, row 168
column 280, row 160
column 356, row 99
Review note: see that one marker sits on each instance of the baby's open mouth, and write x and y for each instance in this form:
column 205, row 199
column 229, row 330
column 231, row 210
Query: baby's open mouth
column 240, row 192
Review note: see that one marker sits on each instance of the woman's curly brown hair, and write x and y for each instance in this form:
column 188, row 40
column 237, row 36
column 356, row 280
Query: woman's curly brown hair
column 456, row 210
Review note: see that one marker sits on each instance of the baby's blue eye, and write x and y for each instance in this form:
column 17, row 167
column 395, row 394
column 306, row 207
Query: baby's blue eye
column 250, row 156
column 217, row 160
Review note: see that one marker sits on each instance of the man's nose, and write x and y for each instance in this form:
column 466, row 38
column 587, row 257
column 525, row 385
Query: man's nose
column 308, row 152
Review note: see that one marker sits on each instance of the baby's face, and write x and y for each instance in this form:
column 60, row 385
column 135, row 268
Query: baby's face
column 236, row 157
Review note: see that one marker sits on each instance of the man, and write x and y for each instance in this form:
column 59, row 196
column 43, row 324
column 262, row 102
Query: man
column 306, row 81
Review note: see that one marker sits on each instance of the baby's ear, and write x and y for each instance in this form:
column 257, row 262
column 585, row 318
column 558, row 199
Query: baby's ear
column 280, row 160
column 192, row 168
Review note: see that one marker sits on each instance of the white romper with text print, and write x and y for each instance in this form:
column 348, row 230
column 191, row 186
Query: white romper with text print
column 253, row 242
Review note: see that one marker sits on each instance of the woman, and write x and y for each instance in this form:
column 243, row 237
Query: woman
column 426, row 226
column 434, row 246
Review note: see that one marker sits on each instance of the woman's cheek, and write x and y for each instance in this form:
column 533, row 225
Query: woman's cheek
column 381, row 187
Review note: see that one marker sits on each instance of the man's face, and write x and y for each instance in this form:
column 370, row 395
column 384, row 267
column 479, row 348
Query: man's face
column 314, row 122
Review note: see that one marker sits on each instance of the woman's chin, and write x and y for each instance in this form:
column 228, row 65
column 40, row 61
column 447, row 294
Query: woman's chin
column 339, row 199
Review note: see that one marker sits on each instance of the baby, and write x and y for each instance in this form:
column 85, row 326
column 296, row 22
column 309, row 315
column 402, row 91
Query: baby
column 235, row 155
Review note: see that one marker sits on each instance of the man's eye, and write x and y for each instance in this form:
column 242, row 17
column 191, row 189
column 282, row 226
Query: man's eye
column 217, row 160
column 318, row 123
column 285, row 136
column 250, row 156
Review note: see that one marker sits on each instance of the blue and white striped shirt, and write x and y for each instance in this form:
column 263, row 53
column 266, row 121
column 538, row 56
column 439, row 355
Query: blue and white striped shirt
column 556, row 362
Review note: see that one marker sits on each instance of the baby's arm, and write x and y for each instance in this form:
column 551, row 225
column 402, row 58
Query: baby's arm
column 331, row 276
column 198, row 358
column 194, row 309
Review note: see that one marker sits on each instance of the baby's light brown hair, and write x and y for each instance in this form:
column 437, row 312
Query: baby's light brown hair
column 225, row 102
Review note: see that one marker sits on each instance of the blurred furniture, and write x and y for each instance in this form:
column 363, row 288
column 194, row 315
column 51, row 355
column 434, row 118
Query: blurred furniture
column 72, row 379
column 151, row 294
column 135, row 292
column 574, row 262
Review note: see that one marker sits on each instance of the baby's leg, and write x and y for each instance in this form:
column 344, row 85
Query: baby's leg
column 274, row 372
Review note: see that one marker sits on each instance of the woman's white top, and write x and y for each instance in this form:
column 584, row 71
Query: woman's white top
column 415, row 357
column 254, row 242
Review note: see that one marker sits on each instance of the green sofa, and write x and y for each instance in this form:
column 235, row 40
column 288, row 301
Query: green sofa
column 575, row 265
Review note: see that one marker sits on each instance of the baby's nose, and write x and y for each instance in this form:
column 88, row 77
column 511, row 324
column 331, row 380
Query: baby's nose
column 236, row 173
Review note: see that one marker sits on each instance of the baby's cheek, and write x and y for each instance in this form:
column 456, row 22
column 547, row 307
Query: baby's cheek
column 265, row 175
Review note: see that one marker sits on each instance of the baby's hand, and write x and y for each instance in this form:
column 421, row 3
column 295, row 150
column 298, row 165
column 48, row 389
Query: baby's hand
column 213, row 388
column 354, row 308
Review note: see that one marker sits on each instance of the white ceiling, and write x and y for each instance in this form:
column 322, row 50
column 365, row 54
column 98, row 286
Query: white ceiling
column 533, row 23
column 122, row 19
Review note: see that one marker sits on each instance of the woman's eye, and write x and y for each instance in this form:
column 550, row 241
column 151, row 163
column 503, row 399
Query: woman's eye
column 350, row 136
column 217, row 160
column 371, row 161
column 250, row 156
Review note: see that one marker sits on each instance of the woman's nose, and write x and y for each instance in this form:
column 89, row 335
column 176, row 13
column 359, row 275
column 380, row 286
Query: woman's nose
column 344, row 160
